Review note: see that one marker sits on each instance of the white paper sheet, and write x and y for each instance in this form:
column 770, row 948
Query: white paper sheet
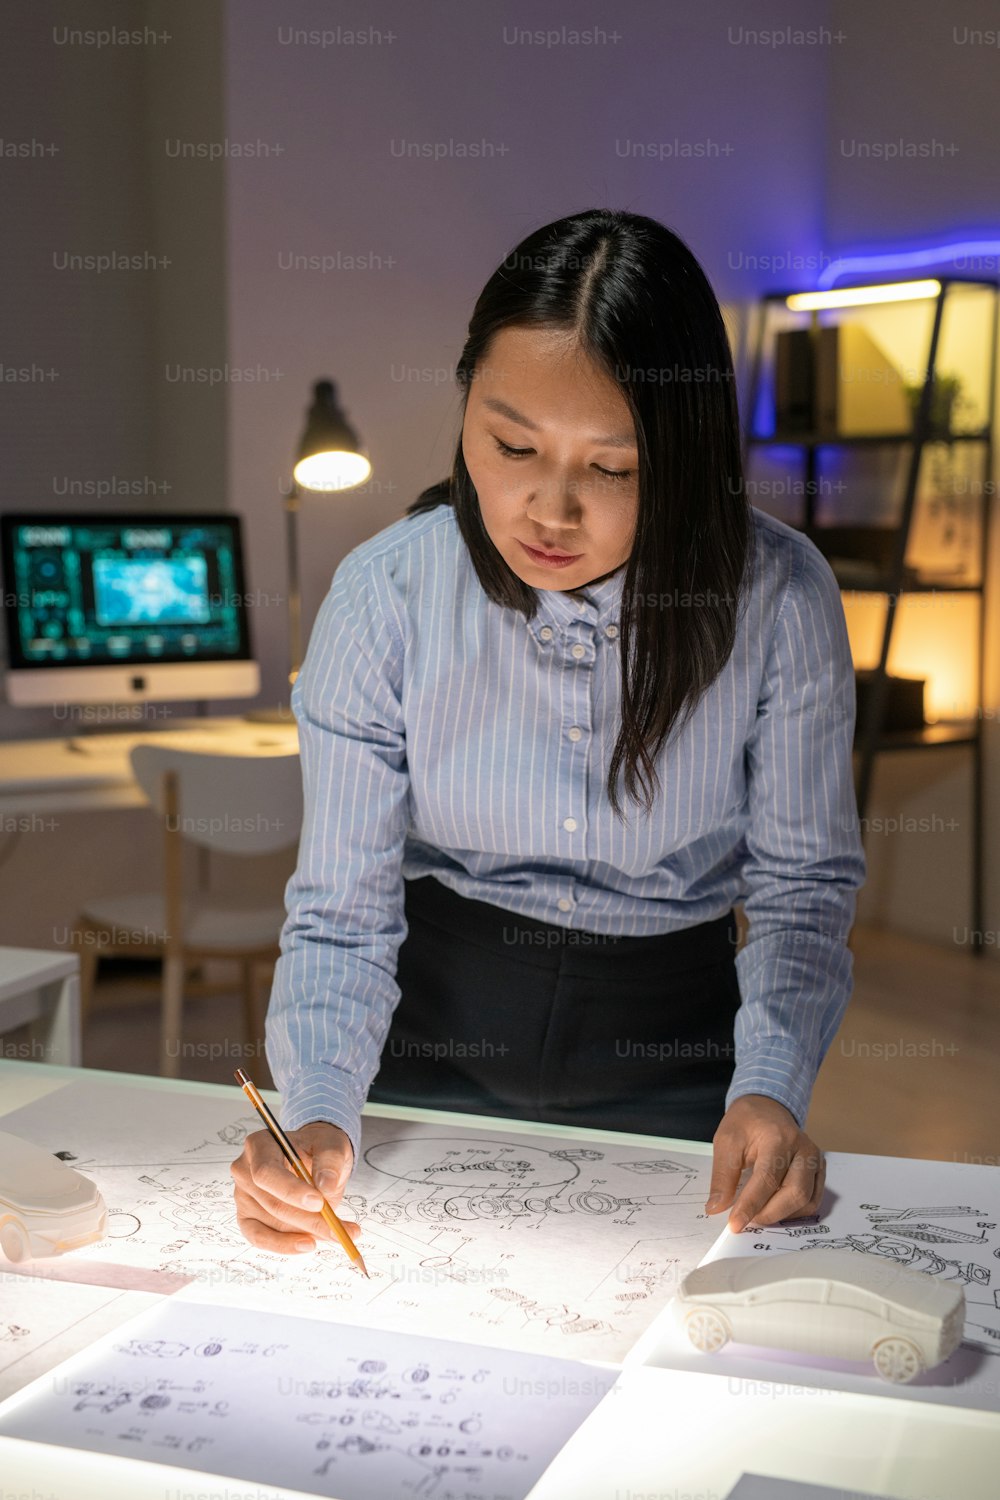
column 524, row 1241
column 44, row 1322
column 942, row 1218
column 353, row 1413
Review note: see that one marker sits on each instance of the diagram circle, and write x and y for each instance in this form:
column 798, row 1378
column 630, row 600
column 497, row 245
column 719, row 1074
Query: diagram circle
column 444, row 1161
column 121, row 1224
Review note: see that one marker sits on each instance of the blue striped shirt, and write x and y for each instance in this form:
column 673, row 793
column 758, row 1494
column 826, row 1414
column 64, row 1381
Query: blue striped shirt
column 442, row 734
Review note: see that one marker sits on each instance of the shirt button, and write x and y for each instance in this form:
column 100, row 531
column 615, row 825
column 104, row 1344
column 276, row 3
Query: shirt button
column 575, row 734
column 564, row 905
column 545, row 633
column 578, row 651
column 612, row 631
column 569, row 824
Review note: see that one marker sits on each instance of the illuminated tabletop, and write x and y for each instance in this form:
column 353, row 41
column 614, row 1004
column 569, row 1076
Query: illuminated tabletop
column 662, row 1432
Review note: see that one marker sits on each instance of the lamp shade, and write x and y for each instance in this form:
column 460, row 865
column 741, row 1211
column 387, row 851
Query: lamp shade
column 329, row 456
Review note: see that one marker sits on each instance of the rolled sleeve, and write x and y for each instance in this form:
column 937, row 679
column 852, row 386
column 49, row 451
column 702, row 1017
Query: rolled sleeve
column 334, row 987
column 805, row 860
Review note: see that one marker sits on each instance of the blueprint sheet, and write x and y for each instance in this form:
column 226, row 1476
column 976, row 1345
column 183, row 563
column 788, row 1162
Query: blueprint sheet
column 523, row 1241
column 349, row 1412
column 942, row 1218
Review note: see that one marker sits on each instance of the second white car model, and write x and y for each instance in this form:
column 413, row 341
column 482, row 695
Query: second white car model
column 45, row 1206
column 830, row 1302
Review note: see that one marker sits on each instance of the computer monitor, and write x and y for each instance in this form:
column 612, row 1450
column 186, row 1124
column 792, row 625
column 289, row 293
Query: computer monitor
column 122, row 608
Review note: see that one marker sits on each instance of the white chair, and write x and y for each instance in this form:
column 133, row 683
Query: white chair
column 245, row 804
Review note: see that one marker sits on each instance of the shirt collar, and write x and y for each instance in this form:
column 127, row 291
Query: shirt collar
column 598, row 604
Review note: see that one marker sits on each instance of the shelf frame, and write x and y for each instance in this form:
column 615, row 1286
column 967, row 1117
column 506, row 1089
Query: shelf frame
column 873, row 739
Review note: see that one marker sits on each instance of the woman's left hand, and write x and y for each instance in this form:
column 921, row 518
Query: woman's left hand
column 789, row 1169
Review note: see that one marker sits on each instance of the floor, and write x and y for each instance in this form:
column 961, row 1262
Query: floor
column 914, row 1070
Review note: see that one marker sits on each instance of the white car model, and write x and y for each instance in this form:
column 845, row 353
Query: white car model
column 829, row 1302
column 45, row 1206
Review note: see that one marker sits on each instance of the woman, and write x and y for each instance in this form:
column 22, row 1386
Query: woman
column 476, row 917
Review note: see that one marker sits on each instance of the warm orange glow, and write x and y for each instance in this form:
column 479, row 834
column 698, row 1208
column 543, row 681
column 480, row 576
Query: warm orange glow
column 934, row 636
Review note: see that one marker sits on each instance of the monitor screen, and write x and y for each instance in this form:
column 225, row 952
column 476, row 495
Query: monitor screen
column 117, row 608
column 128, row 590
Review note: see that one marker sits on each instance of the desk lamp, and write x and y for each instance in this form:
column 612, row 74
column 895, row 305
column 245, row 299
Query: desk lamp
column 329, row 458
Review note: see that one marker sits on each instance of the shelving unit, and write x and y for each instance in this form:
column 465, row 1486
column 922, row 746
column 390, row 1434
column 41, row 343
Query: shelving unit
column 873, row 737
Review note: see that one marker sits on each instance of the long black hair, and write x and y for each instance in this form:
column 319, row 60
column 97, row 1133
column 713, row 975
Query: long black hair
column 644, row 311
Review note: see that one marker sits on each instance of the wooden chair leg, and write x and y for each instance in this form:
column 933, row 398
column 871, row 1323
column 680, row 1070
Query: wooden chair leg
column 171, row 1017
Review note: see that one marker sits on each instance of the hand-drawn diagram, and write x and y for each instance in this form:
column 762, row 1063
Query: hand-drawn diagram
column 370, row 1415
column 520, row 1240
column 43, row 1322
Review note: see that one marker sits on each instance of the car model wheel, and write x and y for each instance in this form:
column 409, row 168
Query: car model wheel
column 898, row 1360
column 706, row 1329
column 13, row 1240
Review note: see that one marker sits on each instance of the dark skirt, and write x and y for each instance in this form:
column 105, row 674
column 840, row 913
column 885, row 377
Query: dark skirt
column 504, row 1015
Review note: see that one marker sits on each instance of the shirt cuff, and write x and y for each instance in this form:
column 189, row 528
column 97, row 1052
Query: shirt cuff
column 778, row 1069
column 325, row 1094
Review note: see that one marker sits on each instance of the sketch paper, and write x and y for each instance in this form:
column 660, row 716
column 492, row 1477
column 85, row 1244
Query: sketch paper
column 44, row 1322
column 349, row 1412
column 525, row 1241
column 942, row 1218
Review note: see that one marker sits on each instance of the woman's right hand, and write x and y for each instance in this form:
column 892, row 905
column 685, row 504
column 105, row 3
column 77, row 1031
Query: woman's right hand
column 275, row 1209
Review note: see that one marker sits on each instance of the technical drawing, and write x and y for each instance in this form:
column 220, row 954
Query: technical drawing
column 493, row 1164
column 122, row 1225
column 153, row 1348
column 559, row 1315
column 532, row 1242
column 505, row 1206
column 795, row 1231
column 656, row 1164
column 106, row 1398
column 902, row 1222
column 906, row 1254
column 380, row 1413
column 236, row 1134
column 874, row 1211
column 933, row 1234
column 466, row 1208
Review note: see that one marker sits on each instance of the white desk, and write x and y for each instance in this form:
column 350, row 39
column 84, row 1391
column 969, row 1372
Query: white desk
column 39, row 777
column 661, row 1433
column 42, row 990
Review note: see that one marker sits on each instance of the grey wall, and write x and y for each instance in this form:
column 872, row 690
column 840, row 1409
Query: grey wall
column 564, row 122
column 110, row 419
